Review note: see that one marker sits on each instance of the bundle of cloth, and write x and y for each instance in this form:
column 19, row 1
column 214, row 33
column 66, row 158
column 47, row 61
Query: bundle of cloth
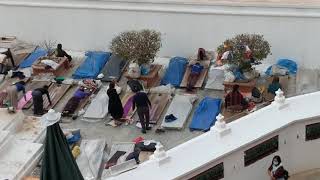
column 92, row 65
column 175, row 72
column 283, row 67
column 35, row 55
column 205, row 114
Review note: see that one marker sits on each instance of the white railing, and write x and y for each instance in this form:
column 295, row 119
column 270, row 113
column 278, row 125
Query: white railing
column 285, row 118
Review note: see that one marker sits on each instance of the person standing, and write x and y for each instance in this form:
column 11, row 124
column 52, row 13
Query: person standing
column 115, row 106
column 37, row 97
column 12, row 94
column 143, row 104
column 276, row 170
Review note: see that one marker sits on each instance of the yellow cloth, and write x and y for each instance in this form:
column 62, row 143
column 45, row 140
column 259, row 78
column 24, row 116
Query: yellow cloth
column 76, row 152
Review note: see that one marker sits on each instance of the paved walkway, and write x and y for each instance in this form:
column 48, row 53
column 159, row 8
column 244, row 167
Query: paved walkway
column 308, row 175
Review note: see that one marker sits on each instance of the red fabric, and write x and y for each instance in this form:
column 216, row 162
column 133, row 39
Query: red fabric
column 233, row 98
column 251, row 106
column 138, row 139
column 248, row 54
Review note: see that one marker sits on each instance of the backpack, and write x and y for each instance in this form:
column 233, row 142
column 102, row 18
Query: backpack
column 286, row 174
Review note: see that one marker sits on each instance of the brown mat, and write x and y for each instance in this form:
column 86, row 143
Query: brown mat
column 160, row 101
column 200, row 81
column 31, row 86
column 56, row 92
column 40, row 68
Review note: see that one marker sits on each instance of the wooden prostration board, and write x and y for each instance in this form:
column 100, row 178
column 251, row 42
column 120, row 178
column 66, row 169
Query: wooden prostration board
column 34, row 85
column 204, row 72
column 160, row 102
column 56, row 92
column 200, row 81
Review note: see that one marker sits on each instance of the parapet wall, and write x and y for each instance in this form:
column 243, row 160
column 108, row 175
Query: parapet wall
column 245, row 147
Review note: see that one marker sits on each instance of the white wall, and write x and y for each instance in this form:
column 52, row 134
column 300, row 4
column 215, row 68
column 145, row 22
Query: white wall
column 83, row 25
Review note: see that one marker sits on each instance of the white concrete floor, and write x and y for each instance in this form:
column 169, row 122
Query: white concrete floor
column 308, row 175
column 306, row 81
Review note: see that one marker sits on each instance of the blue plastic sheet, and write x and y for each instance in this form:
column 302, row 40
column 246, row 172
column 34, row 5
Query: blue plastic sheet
column 35, row 55
column 75, row 138
column 288, row 64
column 92, row 65
column 205, row 114
column 175, row 72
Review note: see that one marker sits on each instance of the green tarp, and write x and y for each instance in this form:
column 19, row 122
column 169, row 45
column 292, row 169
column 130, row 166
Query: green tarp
column 58, row 162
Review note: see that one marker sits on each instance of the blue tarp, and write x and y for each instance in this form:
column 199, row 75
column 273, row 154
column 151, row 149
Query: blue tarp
column 288, row 64
column 35, row 55
column 205, row 114
column 175, row 72
column 92, row 65
column 238, row 74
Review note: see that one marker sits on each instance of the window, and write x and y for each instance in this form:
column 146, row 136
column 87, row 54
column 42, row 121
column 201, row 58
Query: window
column 214, row 173
column 312, row 131
column 261, row 150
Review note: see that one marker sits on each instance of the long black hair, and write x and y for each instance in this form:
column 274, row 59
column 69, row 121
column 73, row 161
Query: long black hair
column 276, row 158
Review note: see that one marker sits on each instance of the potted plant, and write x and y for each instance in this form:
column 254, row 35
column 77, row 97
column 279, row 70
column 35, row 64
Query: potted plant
column 244, row 49
column 139, row 47
column 49, row 46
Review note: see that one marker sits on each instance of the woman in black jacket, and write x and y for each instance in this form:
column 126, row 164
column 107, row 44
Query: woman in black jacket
column 115, row 106
column 276, row 170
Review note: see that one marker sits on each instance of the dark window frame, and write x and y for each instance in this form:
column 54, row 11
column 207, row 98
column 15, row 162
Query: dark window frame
column 217, row 171
column 261, row 150
column 312, row 131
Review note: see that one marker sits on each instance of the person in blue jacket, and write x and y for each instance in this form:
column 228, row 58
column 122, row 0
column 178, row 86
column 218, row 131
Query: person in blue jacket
column 194, row 75
column 274, row 86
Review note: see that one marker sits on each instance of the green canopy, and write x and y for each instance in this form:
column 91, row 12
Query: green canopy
column 58, row 162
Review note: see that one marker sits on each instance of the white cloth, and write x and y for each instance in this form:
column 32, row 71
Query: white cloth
column 3, row 50
column 50, row 63
column 163, row 89
column 90, row 158
column 50, row 118
column 229, row 76
column 180, row 107
column 215, row 79
column 98, row 109
column 2, row 58
column 225, row 55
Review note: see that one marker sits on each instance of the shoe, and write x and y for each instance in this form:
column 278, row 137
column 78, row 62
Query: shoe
column 143, row 131
column 160, row 131
column 148, row 128
column 170, row 118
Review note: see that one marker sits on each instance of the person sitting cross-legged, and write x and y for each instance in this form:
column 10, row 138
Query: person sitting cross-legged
column 235, row 101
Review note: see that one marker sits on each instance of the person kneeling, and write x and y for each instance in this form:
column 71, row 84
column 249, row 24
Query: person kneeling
column 38, row 99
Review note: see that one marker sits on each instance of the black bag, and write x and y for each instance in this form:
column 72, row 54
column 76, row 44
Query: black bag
column 256, row 93
column 286, row 174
